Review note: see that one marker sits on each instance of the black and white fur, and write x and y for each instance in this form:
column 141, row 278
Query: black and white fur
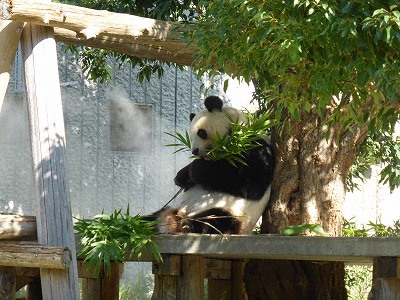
column 219, row 197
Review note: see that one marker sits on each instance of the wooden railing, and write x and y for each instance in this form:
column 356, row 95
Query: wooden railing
column 189, row 259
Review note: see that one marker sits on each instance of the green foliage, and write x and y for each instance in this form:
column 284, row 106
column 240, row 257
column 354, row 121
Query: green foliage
column 184, row 141
column 339, row 60
column 301, row 53
column 141, row 288
column 378, row 148
column 95, row 62
column 302, row 229
column 351, row 229
column 359, row 278
column 107, row 238
column 234, row 144
column 358, row 281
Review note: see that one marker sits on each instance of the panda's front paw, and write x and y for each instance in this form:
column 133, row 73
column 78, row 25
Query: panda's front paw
column 182, row 179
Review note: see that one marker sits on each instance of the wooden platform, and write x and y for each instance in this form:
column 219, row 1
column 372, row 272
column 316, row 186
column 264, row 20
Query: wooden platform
column 348, row 249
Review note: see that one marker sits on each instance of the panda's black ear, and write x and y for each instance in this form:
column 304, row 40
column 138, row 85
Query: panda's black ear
column 213, row 102
column 191, row 116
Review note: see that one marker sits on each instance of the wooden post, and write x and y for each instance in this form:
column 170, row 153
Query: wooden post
column 219, row 275
column 191, row 281
column 34, row 290
column 225, row 279
column 100, row 286
column 10, row 32
column 7, row 283
column 166, row 277
column 386, row 279
column 47, row 134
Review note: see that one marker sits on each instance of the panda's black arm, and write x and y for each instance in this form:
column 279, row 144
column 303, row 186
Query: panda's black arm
column 182, row 178
column 217, row 175
column 248, row 181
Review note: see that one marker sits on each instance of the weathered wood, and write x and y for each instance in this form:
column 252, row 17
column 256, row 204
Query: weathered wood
column 385, row 289
column 357, row 250
column 163, row 52
column 386, row 267
column 143, row 37
column 7, row 283
column 10, row 33
column 225, row 279
column 166, row 277
column 219, row 275
column 191, row 282
column 16, row 227
column 102, row 288
column 238, row 287
column 386, row 279
column 47, row 135
column 91, row 289
column 110, row 282
column 25, row 276
column 34, row 256
column 170, row 265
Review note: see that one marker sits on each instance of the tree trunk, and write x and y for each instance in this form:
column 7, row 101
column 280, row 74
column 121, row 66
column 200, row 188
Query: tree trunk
column 309, row 188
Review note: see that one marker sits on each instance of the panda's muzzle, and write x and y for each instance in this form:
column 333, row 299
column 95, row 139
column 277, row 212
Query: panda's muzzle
column 195, row 151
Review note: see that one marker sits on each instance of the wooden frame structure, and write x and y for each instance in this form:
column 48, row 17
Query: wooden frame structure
column 187, row 259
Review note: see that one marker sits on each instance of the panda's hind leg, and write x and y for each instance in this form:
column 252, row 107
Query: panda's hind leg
column 212, row 221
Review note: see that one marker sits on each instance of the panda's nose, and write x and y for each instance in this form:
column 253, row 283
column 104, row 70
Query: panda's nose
column 195, row 151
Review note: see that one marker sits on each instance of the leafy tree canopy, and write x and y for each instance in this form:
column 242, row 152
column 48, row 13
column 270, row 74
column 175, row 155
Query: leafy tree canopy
column 338, row 59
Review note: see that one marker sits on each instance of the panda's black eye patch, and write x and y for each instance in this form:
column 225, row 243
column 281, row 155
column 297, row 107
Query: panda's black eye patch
column 202, row 134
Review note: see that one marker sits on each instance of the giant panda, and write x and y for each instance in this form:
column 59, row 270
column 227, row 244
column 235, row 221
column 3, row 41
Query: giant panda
column 217, row 196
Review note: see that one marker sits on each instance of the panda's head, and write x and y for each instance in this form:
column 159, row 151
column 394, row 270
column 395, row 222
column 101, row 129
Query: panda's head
column 207, row 124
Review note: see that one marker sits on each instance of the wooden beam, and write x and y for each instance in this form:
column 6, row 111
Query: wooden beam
column 10, row 32
column 34, row 256
column 16, row 227
column 357, row 250
column 138, row 36
column 47, row 135
column 162, row 52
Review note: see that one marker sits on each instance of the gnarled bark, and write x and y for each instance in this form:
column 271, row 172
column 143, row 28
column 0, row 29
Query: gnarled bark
column 309, row 188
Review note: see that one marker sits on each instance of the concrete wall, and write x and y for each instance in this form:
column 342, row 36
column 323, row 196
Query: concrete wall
column 100, row 178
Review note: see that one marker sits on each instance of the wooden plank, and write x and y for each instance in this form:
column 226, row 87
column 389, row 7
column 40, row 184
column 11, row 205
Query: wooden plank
column 139, row 36
column 219, row 275
column 16, row 227
column 386, row 267
column 10, row 33
column 7, row 283
column 91, row 289
column 238, row 288
column 166, row 277
column 355, row 250
column 110, row 282
column 34, row 256
column 191, row 281
column 47, row 135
